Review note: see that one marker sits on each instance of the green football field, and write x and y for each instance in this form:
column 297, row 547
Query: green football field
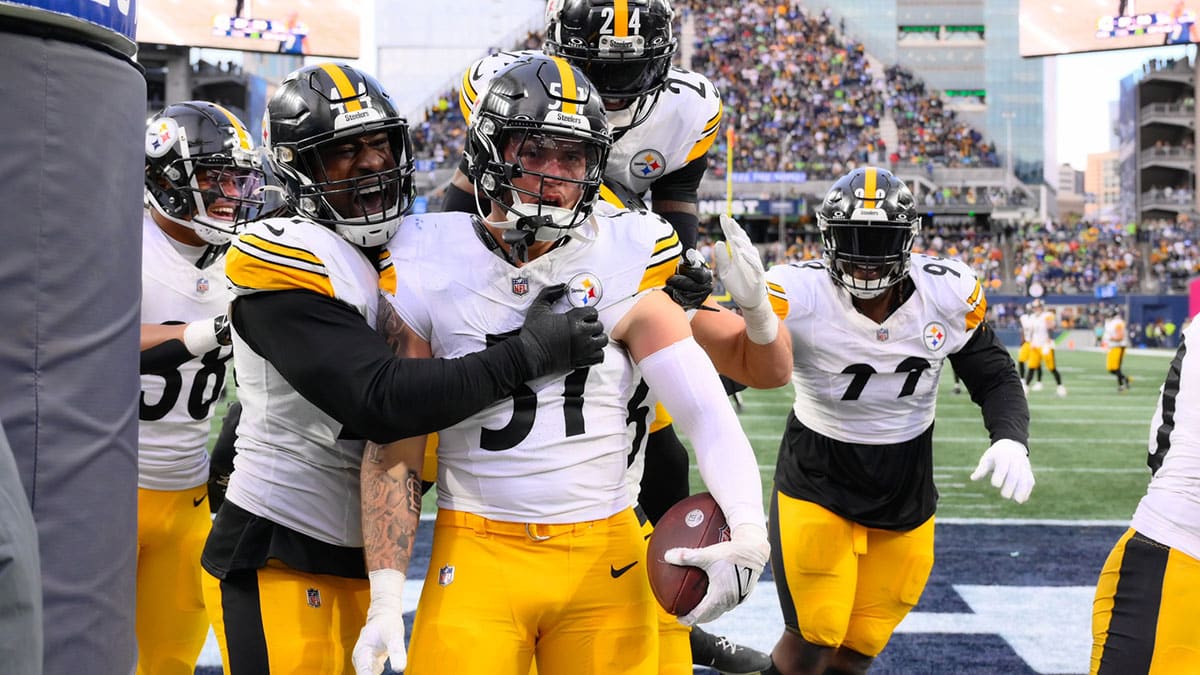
column 1088, row 449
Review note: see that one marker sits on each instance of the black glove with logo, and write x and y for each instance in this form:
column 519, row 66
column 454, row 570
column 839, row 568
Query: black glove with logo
column 554, row 342
column 692, row 282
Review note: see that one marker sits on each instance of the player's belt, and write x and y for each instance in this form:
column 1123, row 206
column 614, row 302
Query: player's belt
column 534, row 531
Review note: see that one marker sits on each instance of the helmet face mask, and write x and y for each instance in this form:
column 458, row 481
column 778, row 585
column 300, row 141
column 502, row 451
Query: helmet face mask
column 536, row 148
column 868, row 221
column 342, row 154
column 201, row 170
column 623, row 46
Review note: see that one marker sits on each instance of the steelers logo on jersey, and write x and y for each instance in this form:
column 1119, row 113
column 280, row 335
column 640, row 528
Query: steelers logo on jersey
column 584, row 290
column 648, row 164
column 935, row 336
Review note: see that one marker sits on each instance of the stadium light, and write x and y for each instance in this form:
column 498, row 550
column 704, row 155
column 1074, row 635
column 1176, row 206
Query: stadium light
column 1008, row 151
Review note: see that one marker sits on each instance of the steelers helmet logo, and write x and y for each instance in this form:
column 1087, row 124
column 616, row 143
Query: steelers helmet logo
column 648, row 164
column 584, row 290
column 161, row 137
column 934, row 336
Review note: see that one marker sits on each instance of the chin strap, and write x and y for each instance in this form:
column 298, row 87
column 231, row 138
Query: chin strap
column 518, row 241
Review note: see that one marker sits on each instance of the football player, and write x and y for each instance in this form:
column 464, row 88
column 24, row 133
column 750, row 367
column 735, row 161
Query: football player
column 1041, row 348
column 664, row 120
column 1143, row 615
column 852, row 516
column 1026, row 323
column 202, row 183
column 1117, row 339
column 286, row 585
column 535, row 533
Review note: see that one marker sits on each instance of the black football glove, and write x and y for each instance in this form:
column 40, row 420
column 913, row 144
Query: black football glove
column 692, row 282
column 554, row 342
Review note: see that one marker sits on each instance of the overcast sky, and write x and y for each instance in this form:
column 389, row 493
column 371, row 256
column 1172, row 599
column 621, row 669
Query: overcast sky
column 1086, row 85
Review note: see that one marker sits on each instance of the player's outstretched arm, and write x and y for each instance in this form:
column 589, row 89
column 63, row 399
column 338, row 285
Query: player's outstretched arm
column 990, row 375
column 750, row 349
column 658, row 336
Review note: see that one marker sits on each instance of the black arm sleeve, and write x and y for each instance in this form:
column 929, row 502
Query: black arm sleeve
column 687, row 226
column 336, row 361
column 168, row 355
column 987, row 369
column 682, row 184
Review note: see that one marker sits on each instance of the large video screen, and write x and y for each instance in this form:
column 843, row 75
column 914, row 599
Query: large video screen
column 310, row 27
column 1051, row 27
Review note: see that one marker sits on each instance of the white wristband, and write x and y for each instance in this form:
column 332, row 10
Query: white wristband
column 387, row 588
column 762, row 326
column 200, row 337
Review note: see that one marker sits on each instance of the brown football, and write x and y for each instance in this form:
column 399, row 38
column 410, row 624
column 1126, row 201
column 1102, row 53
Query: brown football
column 694, row 522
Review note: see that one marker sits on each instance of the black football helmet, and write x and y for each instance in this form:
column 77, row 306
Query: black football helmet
column 534, row 105
column 623, row 46
column 315, row 108
column 201, row 170
column 868, row 221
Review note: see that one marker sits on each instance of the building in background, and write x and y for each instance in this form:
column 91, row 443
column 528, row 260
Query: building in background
column 969, row 50
column 1102, row 187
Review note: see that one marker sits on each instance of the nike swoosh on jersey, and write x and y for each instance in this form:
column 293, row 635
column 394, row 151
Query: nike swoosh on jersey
column 277, row 231
column 618, row 571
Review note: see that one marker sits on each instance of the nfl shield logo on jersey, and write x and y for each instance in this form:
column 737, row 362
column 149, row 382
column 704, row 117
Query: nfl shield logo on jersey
column 202, row 286
column 446, row 575
column 935, row 336
column 520, row 285
column 882, row 334
column 314, row 598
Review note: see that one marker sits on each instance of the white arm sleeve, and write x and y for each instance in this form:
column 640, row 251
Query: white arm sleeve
column 689, row 388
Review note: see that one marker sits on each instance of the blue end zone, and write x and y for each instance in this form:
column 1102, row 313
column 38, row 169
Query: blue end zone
column 1011, row 599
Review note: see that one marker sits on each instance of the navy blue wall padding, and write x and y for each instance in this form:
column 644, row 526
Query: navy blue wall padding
column 20, row 574
column 71, row 163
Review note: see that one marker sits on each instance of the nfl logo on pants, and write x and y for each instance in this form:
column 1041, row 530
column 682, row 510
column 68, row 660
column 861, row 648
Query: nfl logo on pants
column 314, row 598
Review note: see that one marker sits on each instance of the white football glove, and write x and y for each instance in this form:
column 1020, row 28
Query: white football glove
column 741, row 270
column 733, row 567
column 383, row 635
column 1008, row 462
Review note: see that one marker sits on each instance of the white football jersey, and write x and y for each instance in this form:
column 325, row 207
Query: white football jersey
column 1039, row 330
column 1170, row 511
column 858, row 381
column 176, row 408
column 1115, row 334
column 556, row 451
column 291, row 467
column 681, row 127
column 1026, row 321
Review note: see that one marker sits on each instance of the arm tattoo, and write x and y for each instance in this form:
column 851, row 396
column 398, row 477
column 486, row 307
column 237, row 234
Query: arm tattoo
column 391, row 512
column 373, row 452
column 391, row 326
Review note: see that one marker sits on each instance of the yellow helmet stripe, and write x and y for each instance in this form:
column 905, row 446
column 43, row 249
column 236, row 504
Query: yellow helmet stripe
column 621, row 18
column 869, row 188
column 568, row 85
column 243, row 135
column 344, row 87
